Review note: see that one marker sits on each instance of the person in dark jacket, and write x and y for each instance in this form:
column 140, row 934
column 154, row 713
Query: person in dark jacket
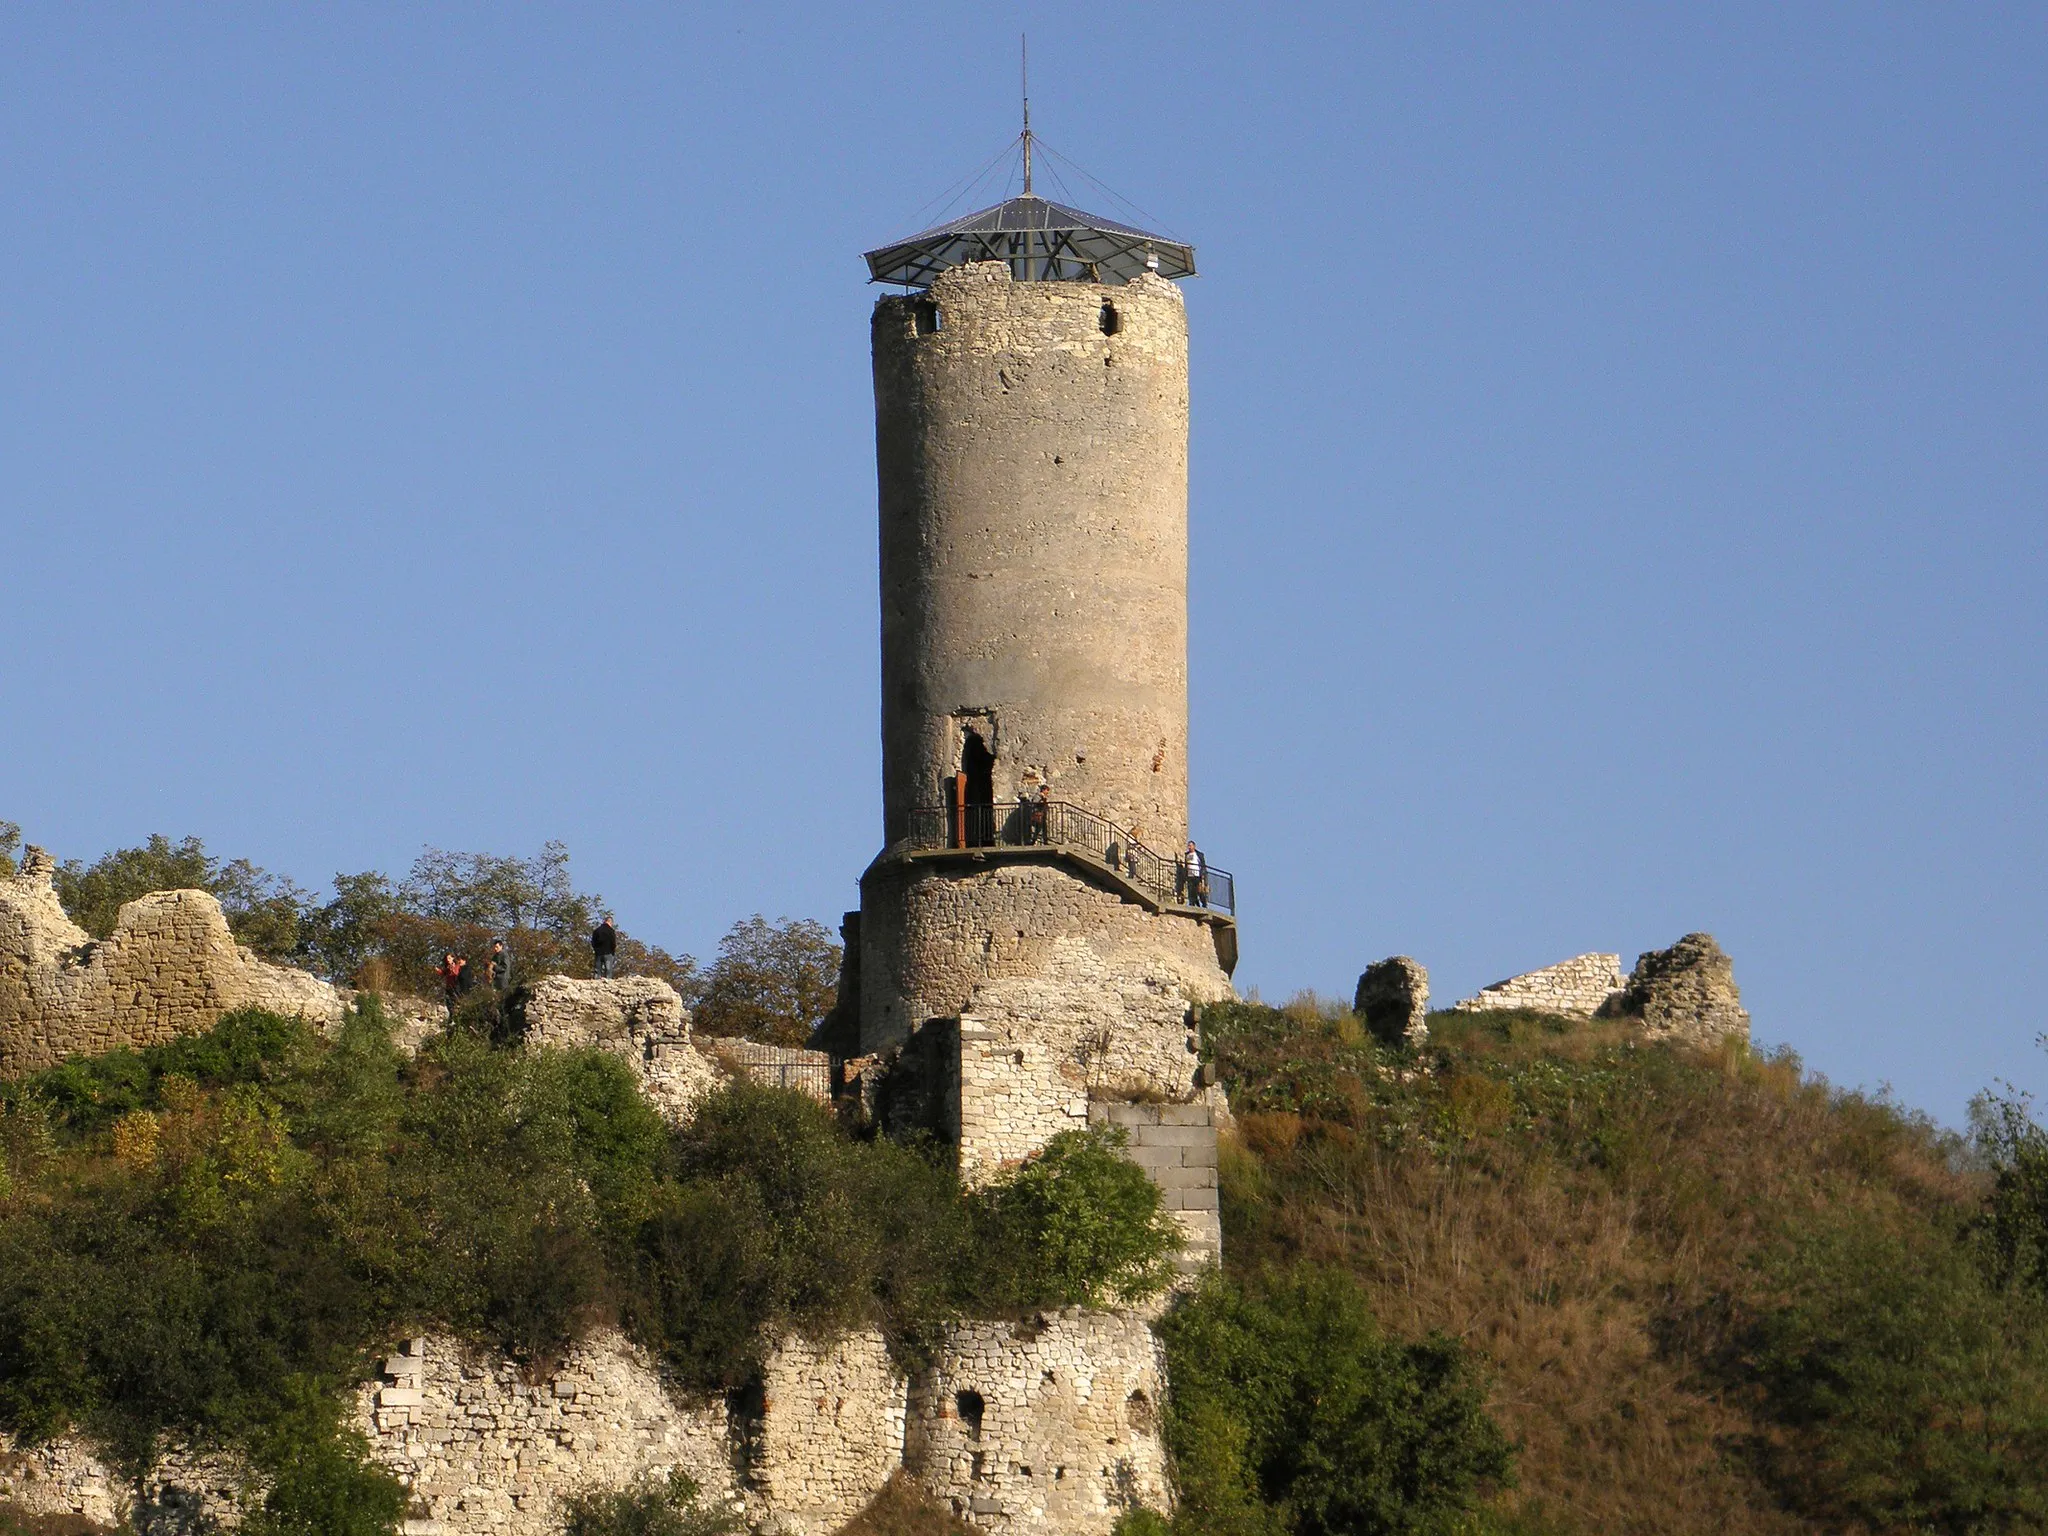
column 501, row 966
column 604, row 949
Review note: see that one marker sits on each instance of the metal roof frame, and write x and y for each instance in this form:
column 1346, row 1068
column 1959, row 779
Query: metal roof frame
column 1042, row 241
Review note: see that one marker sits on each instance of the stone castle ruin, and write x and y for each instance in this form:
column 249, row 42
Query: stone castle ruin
column 1033, row 941
column 169, row 968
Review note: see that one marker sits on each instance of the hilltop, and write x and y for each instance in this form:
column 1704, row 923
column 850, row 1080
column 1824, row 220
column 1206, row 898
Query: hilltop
column 1714, row 1293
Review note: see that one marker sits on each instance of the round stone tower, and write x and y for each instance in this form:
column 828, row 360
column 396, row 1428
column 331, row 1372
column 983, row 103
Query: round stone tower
column 1031, row 440
column 1032, row 938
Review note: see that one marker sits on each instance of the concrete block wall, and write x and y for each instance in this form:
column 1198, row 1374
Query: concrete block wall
column 1176, row 1144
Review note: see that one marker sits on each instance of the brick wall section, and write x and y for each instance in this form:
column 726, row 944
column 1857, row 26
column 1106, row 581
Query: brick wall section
column 1176, row 1145
column 1577, row 987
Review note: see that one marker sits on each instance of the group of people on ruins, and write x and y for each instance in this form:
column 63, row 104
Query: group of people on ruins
column 458, row 978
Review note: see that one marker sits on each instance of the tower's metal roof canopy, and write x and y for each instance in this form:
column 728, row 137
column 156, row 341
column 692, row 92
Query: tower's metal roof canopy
column 1042, row 241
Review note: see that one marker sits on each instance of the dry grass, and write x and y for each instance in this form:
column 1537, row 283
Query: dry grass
column 902, row 1508
column 1583, row 1210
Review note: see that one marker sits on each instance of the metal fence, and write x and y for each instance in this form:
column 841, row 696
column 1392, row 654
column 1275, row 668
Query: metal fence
column 1056, row 824
column 775, row 1066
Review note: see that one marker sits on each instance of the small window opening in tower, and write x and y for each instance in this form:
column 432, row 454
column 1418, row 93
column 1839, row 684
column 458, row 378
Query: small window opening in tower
column 928, row 322
column 1110, row 321
column 970, row 1405
column 978, row 790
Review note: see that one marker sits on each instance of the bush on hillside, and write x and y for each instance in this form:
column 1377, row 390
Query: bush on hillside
column 1292, row 1414
column 1909, row 1392
column 1076, row 1222
column 649, row 1507
column 1782, row 1306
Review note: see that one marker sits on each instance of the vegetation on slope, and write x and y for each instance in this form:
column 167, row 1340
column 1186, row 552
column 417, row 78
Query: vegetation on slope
column 1714, row 1294
column 208, row 1241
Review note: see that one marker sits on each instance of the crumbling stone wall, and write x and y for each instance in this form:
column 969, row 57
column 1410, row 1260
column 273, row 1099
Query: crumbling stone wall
column 639, row 1018
column 169, row 968
column 1034, row 1051
column 1050, row 1424
column 1393, row 1000
column 1687, row 992
column 831, row 1433
column 183, row 1493
column 482, row 1449
column 1579, row 987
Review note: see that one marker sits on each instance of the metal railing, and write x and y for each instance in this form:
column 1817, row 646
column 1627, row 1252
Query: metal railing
column 1056, row 824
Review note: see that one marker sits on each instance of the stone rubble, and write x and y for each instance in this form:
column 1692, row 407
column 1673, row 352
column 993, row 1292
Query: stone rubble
column 1393, row 1000
column 1687, row 992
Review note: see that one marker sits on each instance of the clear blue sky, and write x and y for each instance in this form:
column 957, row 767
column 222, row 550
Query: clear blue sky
column 1618, row 480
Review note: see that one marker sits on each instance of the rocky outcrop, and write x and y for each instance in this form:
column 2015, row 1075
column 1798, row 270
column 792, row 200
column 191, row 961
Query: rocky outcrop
column 170, row 967
column 1687, row 993
column 1577, row 988
column 1393, row 1000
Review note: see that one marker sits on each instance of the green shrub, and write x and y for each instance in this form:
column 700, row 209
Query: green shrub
column 773, row 1216
column 1911, row 1394
column 1076, row 1222
column 1292, row 1413
column 648, row 1508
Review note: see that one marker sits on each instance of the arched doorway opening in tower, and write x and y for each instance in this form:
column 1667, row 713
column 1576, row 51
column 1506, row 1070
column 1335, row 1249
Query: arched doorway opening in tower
column 977, row 791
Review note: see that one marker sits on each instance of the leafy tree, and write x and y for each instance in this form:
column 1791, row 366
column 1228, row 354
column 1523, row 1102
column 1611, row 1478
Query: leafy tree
column 1292, row 1413
column 771, row 981
column 1911, row 1394
column 10, row 847
column 2013, row 1229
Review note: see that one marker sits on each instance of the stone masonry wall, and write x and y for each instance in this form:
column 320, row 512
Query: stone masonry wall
column 484, row 1451
column 184, row 1492
column 1067, row 1439
column 1034, row 1050
column 1031, row 464
column 169, row 968
column 831, row 1433
column 1176, row 1145
column 1050, row 1424
column 929, row 938
column 1579, row 987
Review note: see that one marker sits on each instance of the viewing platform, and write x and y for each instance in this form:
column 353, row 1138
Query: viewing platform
column 1025, row 827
